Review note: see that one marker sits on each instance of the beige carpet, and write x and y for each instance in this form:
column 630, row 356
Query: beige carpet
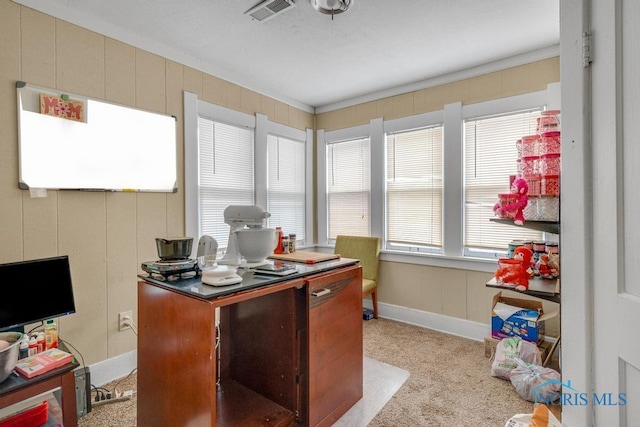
column 449, row 382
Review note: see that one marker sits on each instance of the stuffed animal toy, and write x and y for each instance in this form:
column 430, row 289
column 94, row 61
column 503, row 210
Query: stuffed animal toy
column 520, row 187
column 548, row 266
column 518, row 271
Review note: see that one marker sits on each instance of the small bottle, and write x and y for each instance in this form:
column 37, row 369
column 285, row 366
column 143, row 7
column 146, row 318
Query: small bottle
column 279, row 235
column 40, row 342
column 50, row 334
column 33, row 346
column 24, row 347
column 292, row 242
column 285, row 245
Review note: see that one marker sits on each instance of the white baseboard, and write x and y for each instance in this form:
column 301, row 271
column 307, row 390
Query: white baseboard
column 113, row 368
column 438, row 322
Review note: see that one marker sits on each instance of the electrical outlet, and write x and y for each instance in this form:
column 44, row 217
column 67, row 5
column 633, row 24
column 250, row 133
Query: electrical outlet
column 122, row 325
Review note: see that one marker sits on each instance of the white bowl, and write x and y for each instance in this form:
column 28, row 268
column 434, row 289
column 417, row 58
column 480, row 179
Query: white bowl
column 256, row 244
column 9, row 355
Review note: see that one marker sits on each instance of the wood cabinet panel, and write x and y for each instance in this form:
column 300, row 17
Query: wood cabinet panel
column 335, row 345
column 176, row 376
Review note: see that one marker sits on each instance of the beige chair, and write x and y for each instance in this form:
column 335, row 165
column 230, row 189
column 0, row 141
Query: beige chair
column 367, row 250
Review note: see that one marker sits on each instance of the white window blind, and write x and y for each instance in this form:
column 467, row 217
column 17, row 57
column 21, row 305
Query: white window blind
column 414, row 187
column 490, row 157
column 349, row 187
column 286, row 186
column 226, row 173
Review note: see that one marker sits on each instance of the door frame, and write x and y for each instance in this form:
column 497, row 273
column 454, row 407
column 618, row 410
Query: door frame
column 576, row 214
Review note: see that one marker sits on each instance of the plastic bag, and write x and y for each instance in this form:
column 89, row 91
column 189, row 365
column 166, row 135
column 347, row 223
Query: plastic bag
column 541, row 417
column 535, row 383
column 509, row 349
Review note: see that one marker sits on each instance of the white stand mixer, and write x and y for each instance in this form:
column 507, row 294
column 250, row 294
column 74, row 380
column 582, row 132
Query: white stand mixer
column 239, row 216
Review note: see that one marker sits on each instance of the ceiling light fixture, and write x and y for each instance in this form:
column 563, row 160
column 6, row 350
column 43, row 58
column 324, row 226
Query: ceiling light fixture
column 331, row 7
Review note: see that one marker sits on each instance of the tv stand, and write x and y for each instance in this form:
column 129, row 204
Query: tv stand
column 16, row 389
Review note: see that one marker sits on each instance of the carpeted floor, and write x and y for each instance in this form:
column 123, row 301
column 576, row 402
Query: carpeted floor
column 449, row 382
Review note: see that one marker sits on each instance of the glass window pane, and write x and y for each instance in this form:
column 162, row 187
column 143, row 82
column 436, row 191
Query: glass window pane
column 348, row 187
column 414, row 182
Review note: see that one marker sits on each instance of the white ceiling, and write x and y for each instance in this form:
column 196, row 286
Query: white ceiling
column 305, row 58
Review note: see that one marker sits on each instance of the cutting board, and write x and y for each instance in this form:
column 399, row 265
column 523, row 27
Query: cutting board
column 305, row 257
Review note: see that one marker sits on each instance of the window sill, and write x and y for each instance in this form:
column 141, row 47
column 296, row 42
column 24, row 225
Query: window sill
column 434, row 260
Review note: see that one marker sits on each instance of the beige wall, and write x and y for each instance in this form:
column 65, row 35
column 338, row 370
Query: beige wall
column 108, row 235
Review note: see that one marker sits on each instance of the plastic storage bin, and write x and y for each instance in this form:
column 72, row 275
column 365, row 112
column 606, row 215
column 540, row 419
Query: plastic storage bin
column 530, row 145
column 549, row 121
column 549, row 164
column 550, row 142
column 529, row 165
column 535, row 184
column 549, row 209
column 550, row 185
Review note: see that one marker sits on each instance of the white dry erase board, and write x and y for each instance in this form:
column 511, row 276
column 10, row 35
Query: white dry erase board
column 71, row 142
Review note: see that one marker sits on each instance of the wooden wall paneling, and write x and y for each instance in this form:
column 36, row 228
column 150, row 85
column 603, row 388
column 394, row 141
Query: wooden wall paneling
column 268, row 107
column 11, row 196
column 439, row 96
column 150, row 82
column 121, row 266
column 175, row 201
column 38, row 40
column 234, row 96
column 214, row 90
column 82, row 235
column 120, row 77
column 454, row 293
column 516, row 80
column 79, row 60
column 250, row 101
column 40, row 215
column 478, row 303
column 403, row 105
column 281, row 111
column 431, row 289
column 151, row 220
column 40, row 222
column 193, row 81
column 485, row 87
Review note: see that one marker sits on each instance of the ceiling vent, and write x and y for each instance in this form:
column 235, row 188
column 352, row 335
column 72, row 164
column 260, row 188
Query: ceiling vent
column 268, row 9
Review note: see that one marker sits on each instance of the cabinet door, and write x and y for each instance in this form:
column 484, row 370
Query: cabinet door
column 335, row 344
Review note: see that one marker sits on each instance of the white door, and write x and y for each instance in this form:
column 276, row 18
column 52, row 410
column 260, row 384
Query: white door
column 615, row 29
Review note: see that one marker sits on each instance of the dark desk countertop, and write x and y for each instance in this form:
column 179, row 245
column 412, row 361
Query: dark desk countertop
column 251, row 279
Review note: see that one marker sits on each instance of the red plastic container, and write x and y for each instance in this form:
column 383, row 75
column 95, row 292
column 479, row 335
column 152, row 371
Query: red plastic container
column 529, row 165
column 550, row 164
column 505, row 199
column 549, row 121
column 530, row 145
column 535, row 182
column 32, row 417
column 550, row 143
column 550, row 185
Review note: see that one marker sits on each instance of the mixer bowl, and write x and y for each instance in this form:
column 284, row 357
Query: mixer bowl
column 255, row 244
column 9, row 355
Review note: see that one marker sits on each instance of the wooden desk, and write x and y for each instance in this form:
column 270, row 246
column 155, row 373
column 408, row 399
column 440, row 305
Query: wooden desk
column 281, row 355
column 16, row 389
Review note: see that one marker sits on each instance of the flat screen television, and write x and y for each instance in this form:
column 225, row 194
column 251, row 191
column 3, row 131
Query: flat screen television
column 35, row 290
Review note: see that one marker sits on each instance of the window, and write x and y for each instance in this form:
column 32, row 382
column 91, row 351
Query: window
column 348, row 187
column 226, row 173
column 286, row 186
column 234, row 158
column 489, row 158
column 414, row 183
